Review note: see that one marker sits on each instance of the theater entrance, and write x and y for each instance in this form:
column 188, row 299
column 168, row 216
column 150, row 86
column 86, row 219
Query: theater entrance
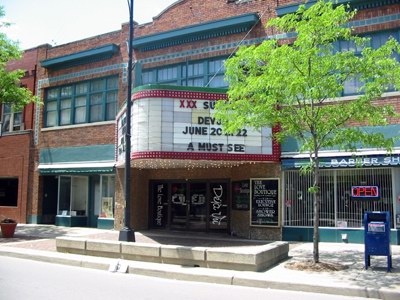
column 189, row 205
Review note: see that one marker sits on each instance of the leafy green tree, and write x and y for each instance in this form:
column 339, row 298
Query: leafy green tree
column 297, row 86
column 10, row 90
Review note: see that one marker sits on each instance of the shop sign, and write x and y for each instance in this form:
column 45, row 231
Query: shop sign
column 368, row 161
column 160, row 204
column 264, row 202
column 365, row 192
column 345, row 162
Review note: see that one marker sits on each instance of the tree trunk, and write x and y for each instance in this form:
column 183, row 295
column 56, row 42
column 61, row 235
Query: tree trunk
column 317, row 200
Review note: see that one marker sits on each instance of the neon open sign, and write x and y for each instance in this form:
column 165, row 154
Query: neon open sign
column 365, row 192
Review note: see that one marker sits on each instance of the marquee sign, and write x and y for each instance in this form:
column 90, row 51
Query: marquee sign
column 182, row 125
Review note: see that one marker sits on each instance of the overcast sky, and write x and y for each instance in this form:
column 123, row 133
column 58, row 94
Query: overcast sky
column 56, row 22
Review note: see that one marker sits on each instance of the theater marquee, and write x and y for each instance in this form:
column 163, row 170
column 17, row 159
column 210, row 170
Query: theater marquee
column 181, row 124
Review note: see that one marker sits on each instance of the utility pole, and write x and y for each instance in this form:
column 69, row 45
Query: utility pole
column 127, row 234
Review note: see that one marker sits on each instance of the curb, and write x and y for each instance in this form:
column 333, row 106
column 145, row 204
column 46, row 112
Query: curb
column 206, row 275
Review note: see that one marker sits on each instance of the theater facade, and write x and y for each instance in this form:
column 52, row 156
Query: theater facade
column 187, row 174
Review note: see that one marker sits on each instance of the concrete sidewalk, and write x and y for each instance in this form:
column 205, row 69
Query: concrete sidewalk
column 37, row 242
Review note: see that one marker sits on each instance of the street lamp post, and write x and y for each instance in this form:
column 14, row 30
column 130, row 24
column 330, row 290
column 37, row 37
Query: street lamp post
column 127, row 234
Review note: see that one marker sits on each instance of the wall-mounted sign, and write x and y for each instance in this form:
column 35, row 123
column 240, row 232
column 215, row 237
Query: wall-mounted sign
column 365, row 192
column 183, row 123
column 241, row 195
column 264, row 202
column 345, row 162
column 160, row 204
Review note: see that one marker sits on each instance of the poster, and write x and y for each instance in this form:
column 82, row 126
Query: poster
column 264, row 202
column 107, row 207
column 241, row 195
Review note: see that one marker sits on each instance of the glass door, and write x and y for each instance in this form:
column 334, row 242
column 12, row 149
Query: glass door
column 197, row 206
column 179, row 206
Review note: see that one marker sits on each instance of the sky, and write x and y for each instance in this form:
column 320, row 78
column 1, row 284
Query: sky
column 57, row 22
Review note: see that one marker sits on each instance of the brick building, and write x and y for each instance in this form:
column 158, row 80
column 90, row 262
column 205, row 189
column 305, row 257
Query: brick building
column 16, row 151
column 82, row 85
column 185, row 174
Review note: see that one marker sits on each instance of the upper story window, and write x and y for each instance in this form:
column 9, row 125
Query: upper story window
column 11, row 119
column 208, row 73
column 83, row 102
column 377, row 39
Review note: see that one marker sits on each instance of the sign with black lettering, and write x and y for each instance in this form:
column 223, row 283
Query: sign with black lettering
column 264, row 202
column 241, row 195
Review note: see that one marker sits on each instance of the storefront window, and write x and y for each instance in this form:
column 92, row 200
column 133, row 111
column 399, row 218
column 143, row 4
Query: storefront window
column 107, row 196
column 338, row 207
column 64, row 197
column 73, row 196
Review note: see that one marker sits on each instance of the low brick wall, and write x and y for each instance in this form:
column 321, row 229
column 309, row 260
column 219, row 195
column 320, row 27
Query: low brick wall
column 245, row 258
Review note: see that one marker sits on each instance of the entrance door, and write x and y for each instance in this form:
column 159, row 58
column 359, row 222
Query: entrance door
column 50, row 193
column 179, row 205
column 197, row 206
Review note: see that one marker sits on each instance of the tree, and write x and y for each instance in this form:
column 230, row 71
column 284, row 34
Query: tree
column 10, row 90
column 297, row 86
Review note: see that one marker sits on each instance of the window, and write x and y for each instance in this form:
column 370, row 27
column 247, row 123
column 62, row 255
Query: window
column 377, row 39
column 9, row 192
column 107, row 196
column 337, row 208
column 12, row 120
column 216, row 75
column 192, row 73
column 84, row 102
column 73, row 195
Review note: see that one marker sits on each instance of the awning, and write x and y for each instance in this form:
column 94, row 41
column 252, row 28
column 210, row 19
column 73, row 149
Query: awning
column 83, row 168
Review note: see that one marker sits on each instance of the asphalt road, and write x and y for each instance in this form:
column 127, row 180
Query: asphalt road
column 25, row 279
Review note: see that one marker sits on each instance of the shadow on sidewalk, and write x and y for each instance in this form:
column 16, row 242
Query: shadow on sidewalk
column 353, row 256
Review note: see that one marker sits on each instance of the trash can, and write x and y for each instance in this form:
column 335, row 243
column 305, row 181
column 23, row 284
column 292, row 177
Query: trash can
column 377, row 236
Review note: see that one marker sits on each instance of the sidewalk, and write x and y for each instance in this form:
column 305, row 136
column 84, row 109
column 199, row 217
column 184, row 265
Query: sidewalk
column 37, row 242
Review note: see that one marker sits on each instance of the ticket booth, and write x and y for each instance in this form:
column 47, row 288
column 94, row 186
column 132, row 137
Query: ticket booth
column 377, row 236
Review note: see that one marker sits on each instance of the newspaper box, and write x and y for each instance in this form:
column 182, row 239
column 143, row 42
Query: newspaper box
column 377, row 236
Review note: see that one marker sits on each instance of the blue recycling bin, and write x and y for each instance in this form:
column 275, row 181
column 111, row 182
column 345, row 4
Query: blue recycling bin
column 377, row 236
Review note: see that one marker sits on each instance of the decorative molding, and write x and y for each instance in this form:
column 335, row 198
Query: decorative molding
column 355, row 4
column 206, row 156
column 235, row 44
column 194, row 33
column 80, row 58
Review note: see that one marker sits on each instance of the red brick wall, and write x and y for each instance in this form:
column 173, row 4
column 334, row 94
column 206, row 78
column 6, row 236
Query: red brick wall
column 14, row 162
column 80, row 136
column 192, row 12
column 27, row 63
column 90, row 134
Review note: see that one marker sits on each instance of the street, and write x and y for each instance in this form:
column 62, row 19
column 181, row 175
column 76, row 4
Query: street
column 25, row 279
